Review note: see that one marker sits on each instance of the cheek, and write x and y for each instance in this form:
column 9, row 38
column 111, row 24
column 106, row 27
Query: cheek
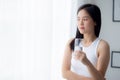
column 89, row 27
column 90, row 24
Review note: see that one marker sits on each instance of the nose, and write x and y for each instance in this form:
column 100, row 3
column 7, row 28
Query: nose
column 81, row 22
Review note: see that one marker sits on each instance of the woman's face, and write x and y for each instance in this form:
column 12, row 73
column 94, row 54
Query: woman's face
column 85, row 23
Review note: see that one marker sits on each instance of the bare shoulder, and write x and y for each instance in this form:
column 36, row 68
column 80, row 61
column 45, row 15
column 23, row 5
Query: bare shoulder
column 68, row 46
column 103, row 44
column 103, row 47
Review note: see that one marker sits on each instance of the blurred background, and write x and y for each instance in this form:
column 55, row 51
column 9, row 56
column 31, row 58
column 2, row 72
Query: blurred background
column 33, row 34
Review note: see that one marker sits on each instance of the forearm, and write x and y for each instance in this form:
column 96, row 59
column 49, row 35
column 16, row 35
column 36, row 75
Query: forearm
column 69, row 75
column 96, row 75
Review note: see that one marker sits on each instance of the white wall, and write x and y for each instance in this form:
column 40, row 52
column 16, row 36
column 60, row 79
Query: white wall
column 110, row 32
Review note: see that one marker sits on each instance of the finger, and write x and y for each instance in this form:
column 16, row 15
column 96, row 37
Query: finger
column 76, row 56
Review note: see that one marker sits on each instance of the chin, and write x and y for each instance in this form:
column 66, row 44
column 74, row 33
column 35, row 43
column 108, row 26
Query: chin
column 82, row 32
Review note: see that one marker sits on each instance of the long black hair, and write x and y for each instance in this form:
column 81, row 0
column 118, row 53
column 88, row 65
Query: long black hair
column 94, row 12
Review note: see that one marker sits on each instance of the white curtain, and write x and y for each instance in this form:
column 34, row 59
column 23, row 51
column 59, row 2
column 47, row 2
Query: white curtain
column 33, row 34
column 25, row 39
column 61, row 34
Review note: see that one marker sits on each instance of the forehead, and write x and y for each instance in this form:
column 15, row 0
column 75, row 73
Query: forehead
column 83, row 13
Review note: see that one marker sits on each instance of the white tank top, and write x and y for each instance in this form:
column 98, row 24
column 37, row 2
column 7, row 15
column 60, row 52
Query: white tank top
column 91, row 53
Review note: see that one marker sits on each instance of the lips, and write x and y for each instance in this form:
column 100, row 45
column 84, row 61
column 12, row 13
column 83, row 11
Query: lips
column 82, row 28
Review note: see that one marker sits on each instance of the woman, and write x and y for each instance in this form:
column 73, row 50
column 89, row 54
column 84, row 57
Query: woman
column 91, row 63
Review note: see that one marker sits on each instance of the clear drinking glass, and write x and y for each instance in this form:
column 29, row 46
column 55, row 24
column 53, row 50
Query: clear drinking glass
column 77, row 45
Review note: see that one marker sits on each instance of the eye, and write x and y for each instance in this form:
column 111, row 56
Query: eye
column 85, row 19
column 78, row 19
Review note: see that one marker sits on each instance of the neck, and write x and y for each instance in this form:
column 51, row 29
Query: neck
column 89, row 38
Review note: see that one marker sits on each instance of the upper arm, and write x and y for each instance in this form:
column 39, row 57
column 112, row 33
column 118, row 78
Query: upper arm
column 67, row 57
column 103, row 57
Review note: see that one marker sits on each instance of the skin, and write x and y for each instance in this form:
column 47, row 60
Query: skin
column 86, row 27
